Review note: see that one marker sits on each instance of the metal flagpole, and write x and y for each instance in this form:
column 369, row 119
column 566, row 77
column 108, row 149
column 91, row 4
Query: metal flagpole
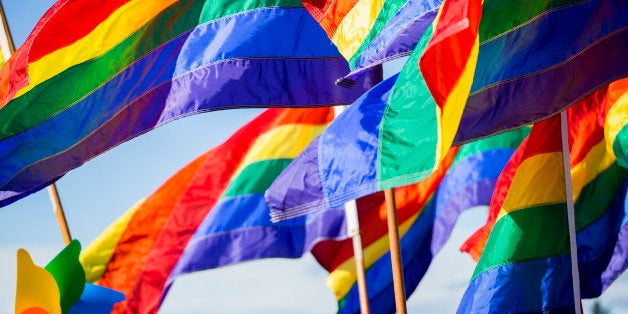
column 395, row 251
column 353, row 230
column 52, row 189
column 571, row 220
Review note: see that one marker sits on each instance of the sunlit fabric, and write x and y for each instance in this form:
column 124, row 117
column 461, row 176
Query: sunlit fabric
column 212, row 213
column 65, row 99
column 524, row 257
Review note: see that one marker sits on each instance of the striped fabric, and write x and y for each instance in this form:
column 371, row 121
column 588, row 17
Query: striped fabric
column 368, row 147
column 84, row 83
column 427, row 213
column 537, row 58
column 369, row 32
column 212, row 213
column 524, row 264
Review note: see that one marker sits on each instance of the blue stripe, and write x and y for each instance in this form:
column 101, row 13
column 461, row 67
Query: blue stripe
column 539, row 285
column 359, row 151
column 548, row 40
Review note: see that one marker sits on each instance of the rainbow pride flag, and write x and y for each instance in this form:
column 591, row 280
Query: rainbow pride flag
column 370, row 146
column 370, row 32
column 59, row 287
column 524, row 262
column 83, row 83
column 537, row 58
column 212, row 213
column 427, row 213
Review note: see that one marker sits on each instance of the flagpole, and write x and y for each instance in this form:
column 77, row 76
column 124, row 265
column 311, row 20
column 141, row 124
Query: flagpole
column 353, row 230
column 395, row 251
column 52, row 189
column 575, row 274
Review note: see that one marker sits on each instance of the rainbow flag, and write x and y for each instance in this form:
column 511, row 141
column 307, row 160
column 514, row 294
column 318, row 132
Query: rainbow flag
column 538, row 58
column 370, row 32
column 59, row 287
column 525, row 257
column 427, row 213
column 83, row 83
column 212, row 213
column 375, row 138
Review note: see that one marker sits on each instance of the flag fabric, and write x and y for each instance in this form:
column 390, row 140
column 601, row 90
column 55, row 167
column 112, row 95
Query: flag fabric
column 370, row 32
column 525, row 264
column 427, row 212
column 211, row 213
column 59, row 287
column 84, row 83
column 532, row 57
column 368, row 148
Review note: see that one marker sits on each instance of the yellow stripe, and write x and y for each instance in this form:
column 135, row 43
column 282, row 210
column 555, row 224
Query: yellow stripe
column 543, row 174
column 596, row 162
column 344, row 276
column 454, row 105
column 356, row 25
column 117, row 27
column 271, row 145
column 98, row 254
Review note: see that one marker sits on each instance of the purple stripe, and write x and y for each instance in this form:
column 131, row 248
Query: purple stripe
column 535, row 97
column 226, row 248
column 231, row 81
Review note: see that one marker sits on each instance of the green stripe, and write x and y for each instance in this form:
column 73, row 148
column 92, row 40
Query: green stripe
column 499, row 16
column 546, row 235
column 510, row 139
column 596, row 197
column 620, row 147
column 249, row 181
column 389, row 9
column 70, row 86
column 408, row 131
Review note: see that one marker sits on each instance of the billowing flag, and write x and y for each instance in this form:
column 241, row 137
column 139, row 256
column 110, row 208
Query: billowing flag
column 538, row 58
column 393, row 135
column 524, row 262
column 212, row 213
column 427, row 212
column 371, row 32
column 83, row 83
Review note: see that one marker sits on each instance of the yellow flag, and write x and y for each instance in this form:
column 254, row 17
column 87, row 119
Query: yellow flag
column 36, row 290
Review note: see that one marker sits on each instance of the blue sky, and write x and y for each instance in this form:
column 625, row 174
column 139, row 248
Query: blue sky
column 97, row 193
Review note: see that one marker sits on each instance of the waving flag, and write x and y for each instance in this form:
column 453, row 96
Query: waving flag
column 377, row 143
column 533, row 57
column 60, row 286
column 427, row 213
column 212, row 213
column 525, row 264
column 84, row 83
column 370, row 32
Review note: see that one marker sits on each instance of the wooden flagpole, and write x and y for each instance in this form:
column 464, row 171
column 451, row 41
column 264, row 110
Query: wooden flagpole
column 395, row 251
column 575, row 274
column 52, row 189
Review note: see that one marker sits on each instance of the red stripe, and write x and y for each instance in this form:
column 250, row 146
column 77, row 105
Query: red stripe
column 447, row 52
column 63, row 27
column 586, row 124
column 372, row 215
